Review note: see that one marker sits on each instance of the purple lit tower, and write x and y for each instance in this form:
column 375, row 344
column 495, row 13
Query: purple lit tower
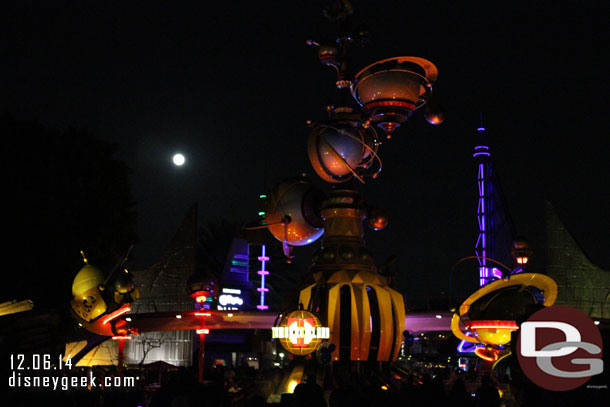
column 496, row 231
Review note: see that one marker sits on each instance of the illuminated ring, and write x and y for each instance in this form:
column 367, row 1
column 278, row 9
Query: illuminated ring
column 539, row 281
column 317, row 137
column 388, row 103
column 372, row 151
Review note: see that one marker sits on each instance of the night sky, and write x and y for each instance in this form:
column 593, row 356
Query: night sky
column 231, row 84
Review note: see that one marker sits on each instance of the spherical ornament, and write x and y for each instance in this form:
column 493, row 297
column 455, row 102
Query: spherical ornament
column 434, row 114
column 292, row 212
column 87, row 278
column 376, row 218
column 124, row 284
column 336, row 150
column 329, row 54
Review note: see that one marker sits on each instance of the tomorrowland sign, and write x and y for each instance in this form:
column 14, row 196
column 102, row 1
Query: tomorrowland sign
column 300, row 332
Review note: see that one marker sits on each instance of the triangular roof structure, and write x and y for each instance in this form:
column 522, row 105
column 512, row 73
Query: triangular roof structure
column 580, row 283
column 162, row 286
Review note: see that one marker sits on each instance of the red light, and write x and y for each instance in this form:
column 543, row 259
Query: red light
column 116, row 338
column 201, row 298
column 203, row 314
column 202, row 331
column 124, row 309
column 492, row 325
column 522, row 260
column 201, row 293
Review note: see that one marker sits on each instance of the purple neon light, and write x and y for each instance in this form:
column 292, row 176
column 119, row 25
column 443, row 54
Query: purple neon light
column 485, row 273
column 262, row 272
column 468, row 347
column 481, row 246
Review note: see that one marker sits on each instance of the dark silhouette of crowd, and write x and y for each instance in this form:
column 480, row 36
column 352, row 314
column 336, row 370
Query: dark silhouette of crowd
column 242, row 387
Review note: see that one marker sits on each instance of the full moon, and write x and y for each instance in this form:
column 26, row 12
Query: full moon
column 178, row 159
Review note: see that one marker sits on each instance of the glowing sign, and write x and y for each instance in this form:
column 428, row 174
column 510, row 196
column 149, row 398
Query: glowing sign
column 300, row 332
column 300, row 336
column 230, row 299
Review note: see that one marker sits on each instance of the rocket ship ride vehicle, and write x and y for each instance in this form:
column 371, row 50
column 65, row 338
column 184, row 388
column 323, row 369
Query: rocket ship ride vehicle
column 99, row 299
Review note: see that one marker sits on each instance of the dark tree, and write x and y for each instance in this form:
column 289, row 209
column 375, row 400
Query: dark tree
column 67, row 193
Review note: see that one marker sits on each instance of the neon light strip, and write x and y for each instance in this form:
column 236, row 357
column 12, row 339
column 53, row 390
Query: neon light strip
column 124, row 309
column 202, row 331
column 473, row 346
column 116, row 338
column 481, row 250
column 496, row 273
column 203, row 314
column 512, row 325
column 482, row 353
column 262, row 272
column 392, row 103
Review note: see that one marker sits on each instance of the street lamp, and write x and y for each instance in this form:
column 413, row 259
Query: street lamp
column 521, row 252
